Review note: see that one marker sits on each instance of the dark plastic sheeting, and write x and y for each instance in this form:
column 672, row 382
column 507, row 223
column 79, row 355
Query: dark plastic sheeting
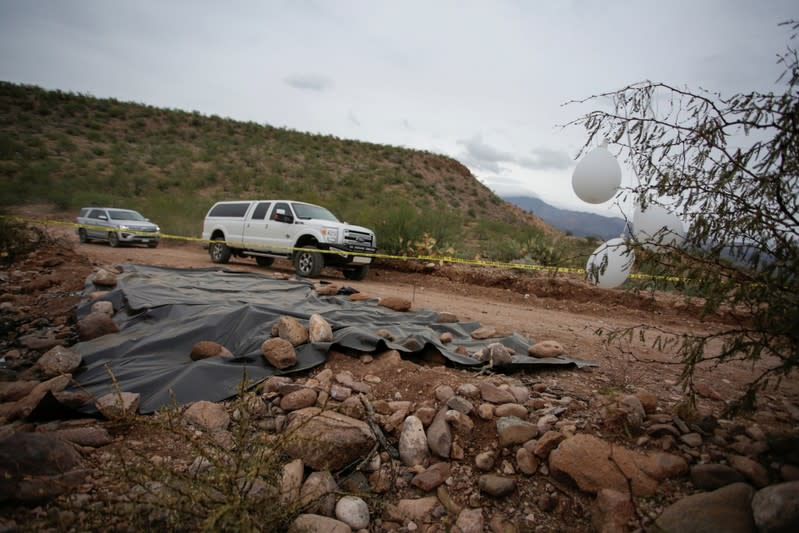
column 163, row 312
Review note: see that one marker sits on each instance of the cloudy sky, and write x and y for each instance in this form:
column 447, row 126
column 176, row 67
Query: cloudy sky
column 484, row 82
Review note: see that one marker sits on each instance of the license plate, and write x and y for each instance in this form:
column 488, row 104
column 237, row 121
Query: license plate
column 145, row 240
column 362, row 260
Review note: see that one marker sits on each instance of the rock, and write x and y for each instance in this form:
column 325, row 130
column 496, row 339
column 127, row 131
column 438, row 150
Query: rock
column 290, row 329
column 208, row 416
column 318, row 493
column 279, row 353
column 493, row 394
column 298, row 399
column 319, row 330
column 706, row 391
column 484, row 461
column 789, row 473
column 445, row 317
column 14, row 390
column 327, row 290
column 327, row 440
column 359, row 297
column 594, row 464
column 439, row 435
column 33, row 467
column 445, row 338
column 291, row 482
column 417, row 510
column 470, row 521
column 468, row 390
column 694, row 440
column 413, row 447
column 648, row 400
column 634, row 409
column 546, row 423
column 485, row 411
column 96, row 325
column 396, row 303
column 386, row 334
column 340, row 393
column 612, row 510
column 485, row 332
column 24, row 407
column 526, row 462
column 40, row 343
column 495, row 354
column 512, row 430
column 548, row 442
column 92, row 436
column 353, row 511
column 546, row 349
column 511, row 409
column 104, row 306
column 432, row 477
column 426, row 415
column 206, row 349
column 97, row 294
column 496, row 486
column 752, row 470
column 714, row 476
column 313, row 523
column 727, row 509
column 460, row 404
column 776, row 508
column 443, row 393
column 460, row 422
column 346, row 378
column 59, row 360
column 104, row 278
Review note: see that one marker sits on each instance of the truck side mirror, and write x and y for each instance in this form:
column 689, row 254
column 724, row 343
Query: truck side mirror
column 102, row 217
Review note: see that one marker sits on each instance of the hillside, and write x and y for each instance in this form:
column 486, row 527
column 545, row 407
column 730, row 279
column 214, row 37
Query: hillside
column 577, row 223
column 75, row 150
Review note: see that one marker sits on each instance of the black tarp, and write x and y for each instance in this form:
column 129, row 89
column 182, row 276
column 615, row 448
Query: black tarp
column 163, row 312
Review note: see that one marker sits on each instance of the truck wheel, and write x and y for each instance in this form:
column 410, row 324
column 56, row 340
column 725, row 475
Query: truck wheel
column 82, row 237
column 113, row 239
column 152, row 244
column 308, row 263
column 356, row 273
column 219, row 251
column 264, row 261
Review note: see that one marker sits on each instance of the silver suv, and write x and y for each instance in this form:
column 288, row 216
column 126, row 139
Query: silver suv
column 117, row 226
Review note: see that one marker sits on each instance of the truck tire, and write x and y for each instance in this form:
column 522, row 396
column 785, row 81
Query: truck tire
column 219, row 252
column 152, row 244
column 82, row 236
column 357, row 273
column 113, row 239
column 308, row 263
column 264, row 261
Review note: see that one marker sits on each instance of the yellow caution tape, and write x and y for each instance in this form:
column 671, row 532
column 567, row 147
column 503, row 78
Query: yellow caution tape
column 434, row 258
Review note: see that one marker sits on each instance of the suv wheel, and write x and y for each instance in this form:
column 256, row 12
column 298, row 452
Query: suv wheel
column 219, row 251
column 356, row 273
column 82, row 237
column 113, row 239
column 308, row 263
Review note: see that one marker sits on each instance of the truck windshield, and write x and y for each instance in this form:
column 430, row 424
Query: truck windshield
column 306, row 211
column 124, row 214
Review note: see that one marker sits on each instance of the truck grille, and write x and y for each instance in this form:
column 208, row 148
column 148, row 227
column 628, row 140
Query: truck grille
column 359, row 239
column 148, row 229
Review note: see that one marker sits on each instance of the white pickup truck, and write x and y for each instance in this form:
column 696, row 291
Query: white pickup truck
column 309, row 235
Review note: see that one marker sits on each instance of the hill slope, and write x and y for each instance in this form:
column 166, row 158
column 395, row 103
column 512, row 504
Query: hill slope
column 172, row 165
column 576, row 223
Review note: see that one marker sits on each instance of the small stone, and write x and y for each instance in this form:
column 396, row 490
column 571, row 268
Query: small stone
column 104, row 278
column 548, row 442
column 432, row 477
column 459, row 422
column 443, row 393
column 693, row 440
column 485, row 411
column 510, row 409
column 413, row 442
column 209, row 416
column 206, row 349
column 445, row 337
column 104, row 307
column 353, row 511
column 461, row 404
column 468, row 390
column 484, row 461
column 493, row 394
column 526, row 461
column 59, row 360
column 290, row 329
column 485, row 332
column 118, row 404
column 298, row 399
column 752, row 470
column 445, row 317
column 496, row 486
column 312, row 523
column 612, row 511
column 714, row 476
column 470, row 521
column 776, row 507
column 319, row 330
column 96, row 325
column 513, row 430
column 396, row 303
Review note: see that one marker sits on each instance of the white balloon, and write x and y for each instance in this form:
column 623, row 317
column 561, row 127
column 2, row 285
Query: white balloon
column 655, row 227
column 597, row 177
column 610, row 264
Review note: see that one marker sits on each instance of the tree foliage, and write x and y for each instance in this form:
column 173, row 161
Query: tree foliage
column 728, row 166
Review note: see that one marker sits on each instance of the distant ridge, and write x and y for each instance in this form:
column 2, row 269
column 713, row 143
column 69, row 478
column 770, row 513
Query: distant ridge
column 577, row 223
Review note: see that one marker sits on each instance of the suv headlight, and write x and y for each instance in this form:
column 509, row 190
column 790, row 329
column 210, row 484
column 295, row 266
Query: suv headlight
column 123, row 227
column 330, row 234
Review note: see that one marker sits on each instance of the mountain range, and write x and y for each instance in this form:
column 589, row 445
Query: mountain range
column 577, row 223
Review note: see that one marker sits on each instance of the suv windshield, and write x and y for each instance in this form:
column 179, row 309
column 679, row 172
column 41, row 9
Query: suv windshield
column 306, row 211
column 124, row 214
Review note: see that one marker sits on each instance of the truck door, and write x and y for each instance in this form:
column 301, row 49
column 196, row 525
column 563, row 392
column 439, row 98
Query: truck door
column 280, row 231
column 98, row 220
column 255, row 228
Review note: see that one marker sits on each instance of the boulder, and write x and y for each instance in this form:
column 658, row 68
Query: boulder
column 290, row 329
column 327, row 440
column 206, row 349
column 96, row 325
column 279, row 353
column 776, row 508
column 727, row 509
column 59, row 360
column 319, row 330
